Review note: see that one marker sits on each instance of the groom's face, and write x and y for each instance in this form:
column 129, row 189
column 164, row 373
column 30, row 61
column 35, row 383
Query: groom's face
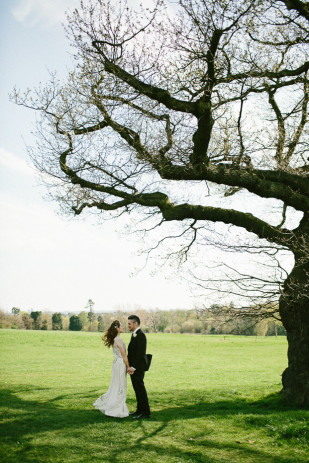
column 132, row 325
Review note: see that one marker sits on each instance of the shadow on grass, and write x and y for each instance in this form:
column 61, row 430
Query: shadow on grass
column 24, row 420
column 274, row 403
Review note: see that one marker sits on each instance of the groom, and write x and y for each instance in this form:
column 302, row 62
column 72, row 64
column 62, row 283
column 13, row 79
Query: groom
column 138, row 365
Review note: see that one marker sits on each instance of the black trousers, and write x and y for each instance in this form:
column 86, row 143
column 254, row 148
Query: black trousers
column 140, row 392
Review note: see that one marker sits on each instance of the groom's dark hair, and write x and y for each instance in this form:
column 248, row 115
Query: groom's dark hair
column 134, row 318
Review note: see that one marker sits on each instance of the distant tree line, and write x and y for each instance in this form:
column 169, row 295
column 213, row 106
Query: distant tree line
column 205, row 321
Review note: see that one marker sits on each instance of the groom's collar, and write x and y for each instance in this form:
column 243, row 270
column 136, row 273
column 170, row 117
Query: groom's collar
column 138, row 328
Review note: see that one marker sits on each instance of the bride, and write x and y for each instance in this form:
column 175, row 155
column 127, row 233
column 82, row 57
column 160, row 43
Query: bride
column 113, row 402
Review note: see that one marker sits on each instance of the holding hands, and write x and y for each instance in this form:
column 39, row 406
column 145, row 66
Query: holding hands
column 130, row 370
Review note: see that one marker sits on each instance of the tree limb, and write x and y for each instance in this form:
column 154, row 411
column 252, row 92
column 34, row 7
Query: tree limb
column 270, row 74
column 256, row 181
column 297, row 5
column 151, row 91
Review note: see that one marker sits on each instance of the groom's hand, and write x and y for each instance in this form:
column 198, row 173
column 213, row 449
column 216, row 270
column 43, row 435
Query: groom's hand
column 130, row 371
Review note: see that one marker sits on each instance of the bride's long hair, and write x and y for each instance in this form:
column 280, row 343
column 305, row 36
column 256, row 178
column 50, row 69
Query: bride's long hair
column 111, row 333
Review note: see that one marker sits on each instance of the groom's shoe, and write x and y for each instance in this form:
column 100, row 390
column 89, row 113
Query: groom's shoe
column 134, row 413
column 141, row 416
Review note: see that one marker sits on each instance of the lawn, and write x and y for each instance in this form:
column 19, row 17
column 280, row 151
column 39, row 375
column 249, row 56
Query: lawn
column 213, row 399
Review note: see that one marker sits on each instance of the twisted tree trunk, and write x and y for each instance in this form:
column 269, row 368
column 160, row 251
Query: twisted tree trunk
column 294, row 311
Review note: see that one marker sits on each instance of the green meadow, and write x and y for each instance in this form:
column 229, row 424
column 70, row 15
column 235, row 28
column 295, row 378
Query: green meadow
column 213, row 399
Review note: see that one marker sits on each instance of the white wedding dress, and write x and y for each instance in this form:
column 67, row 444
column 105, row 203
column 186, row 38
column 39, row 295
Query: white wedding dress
column 113, row 403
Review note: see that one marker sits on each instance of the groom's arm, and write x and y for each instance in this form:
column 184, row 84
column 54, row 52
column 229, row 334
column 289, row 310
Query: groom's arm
column 141, row 345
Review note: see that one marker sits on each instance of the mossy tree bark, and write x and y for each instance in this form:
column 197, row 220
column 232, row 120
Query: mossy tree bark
column 294, row 311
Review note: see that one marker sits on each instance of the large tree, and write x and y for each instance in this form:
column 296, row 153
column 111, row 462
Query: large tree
column 57, row 321
column 165, row 99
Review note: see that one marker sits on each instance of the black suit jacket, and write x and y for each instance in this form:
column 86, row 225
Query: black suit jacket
column 137, row 351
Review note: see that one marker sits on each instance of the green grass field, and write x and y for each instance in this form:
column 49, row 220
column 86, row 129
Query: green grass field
column 212, row 399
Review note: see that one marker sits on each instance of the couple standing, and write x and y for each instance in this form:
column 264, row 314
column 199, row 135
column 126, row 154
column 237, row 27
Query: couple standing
column 113, row 403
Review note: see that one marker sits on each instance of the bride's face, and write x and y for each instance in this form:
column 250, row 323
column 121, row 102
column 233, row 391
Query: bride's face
column 120, row 329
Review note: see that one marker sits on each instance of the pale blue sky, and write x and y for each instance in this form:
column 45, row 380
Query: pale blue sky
column 48, row 262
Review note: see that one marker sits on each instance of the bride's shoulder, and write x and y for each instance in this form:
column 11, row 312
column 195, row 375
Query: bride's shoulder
column 118, row 341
